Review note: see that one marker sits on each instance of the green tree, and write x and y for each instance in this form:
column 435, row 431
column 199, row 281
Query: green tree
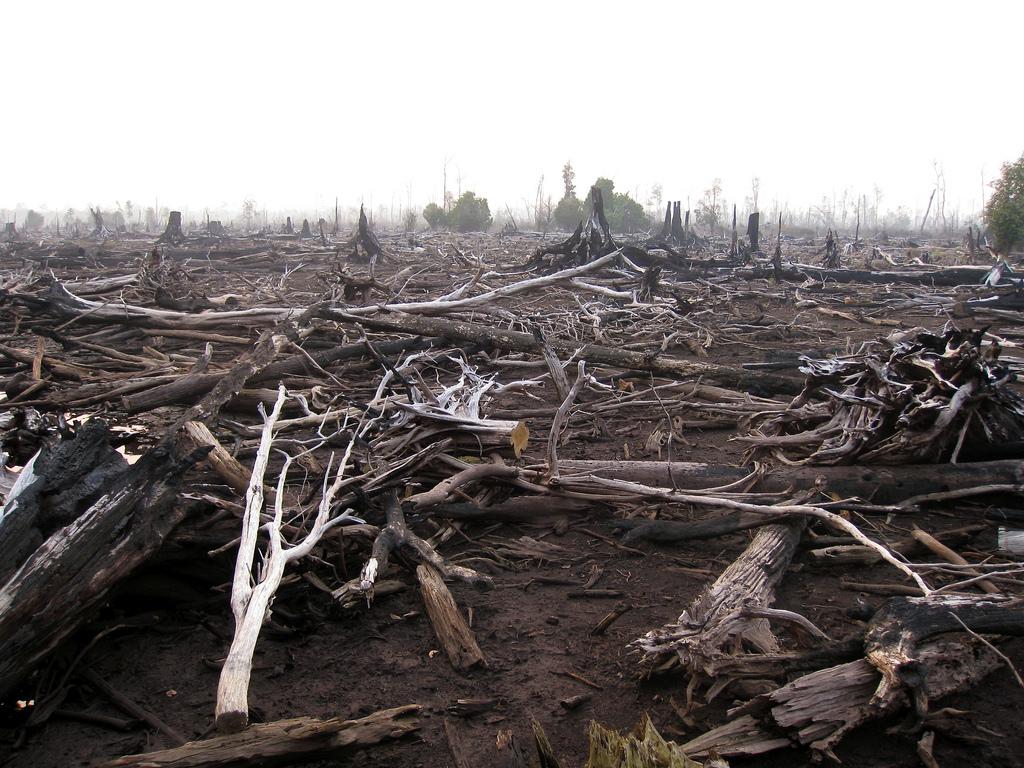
column 435, row 216
column 624, row 214
column 568, row 212
column 470, row 213
column 1004, row 212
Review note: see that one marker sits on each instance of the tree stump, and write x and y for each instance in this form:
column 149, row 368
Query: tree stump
column 173, row 234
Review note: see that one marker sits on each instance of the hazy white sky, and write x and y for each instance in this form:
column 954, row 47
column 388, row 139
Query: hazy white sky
column 207, row 103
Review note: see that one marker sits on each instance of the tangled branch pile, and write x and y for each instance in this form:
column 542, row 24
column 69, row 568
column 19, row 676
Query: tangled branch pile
column 913, row 397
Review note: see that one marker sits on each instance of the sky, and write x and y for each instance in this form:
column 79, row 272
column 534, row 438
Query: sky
column 200, row 104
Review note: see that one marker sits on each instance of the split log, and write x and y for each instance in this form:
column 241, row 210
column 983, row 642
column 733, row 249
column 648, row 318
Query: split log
column 817, row 710
column 732, row 612
column 880, row 484
column 488, row 336
column 68, row 577
column 283, row 742
column 452, row 632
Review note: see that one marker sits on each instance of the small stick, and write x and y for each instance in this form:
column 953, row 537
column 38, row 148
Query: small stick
column 950, row 556
column 129, row 706
column 610, row 618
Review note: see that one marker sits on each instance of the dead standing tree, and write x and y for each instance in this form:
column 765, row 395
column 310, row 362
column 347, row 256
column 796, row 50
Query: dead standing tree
column 99, row 231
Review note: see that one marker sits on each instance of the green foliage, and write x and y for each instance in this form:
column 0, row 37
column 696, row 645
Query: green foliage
column 470, row 213
column 33, row 221
column 624, row 214
column 1004, row 212
column 568, row 212
column 435, row 216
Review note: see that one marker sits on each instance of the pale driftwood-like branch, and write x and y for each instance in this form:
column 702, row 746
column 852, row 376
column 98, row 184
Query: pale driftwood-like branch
column 562, row 416
column 283, row 742
column 250, row 603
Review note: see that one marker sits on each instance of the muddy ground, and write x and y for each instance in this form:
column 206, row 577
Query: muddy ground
column 175, row 624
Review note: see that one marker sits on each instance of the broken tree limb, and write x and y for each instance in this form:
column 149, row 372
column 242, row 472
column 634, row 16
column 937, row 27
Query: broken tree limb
column 282, row 742
column 488, row 336
column 451, row 629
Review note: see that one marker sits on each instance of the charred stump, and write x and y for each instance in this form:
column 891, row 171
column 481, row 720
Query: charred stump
column 216, row 229
column 173, row 233
column 365, row 245
column 753, row 227
column 10, row 233
column 306, row 231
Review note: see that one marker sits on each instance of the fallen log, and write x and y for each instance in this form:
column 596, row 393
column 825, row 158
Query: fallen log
column 283, row 742
column 880, row 484
column 732, row 613
column 450, row 628
column 488, row 336
column 948, row 276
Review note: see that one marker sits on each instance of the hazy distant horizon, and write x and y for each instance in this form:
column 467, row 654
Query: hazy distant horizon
column 293, row 106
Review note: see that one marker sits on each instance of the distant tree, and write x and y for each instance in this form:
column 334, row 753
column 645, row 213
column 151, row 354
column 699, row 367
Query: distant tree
column 151, row 222
column 435, row 216
column 409, row 221
column 569, row 211
column 707, row 213
column 569, row 181
column 34, row 221
column 1004, row 212
column 129, row 209
column 248, row 212
column 470, row 213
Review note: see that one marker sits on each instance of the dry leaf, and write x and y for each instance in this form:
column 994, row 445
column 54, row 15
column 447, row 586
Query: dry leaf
column 520, row 437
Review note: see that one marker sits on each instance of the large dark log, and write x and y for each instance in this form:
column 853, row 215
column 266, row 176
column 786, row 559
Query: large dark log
column 895, row 631
column 284, row 742
column 68, row 577
column 54, row 489
column 499, row 338
column 880, row 484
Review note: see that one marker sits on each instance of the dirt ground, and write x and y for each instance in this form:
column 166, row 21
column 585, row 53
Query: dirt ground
column 315, row 659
